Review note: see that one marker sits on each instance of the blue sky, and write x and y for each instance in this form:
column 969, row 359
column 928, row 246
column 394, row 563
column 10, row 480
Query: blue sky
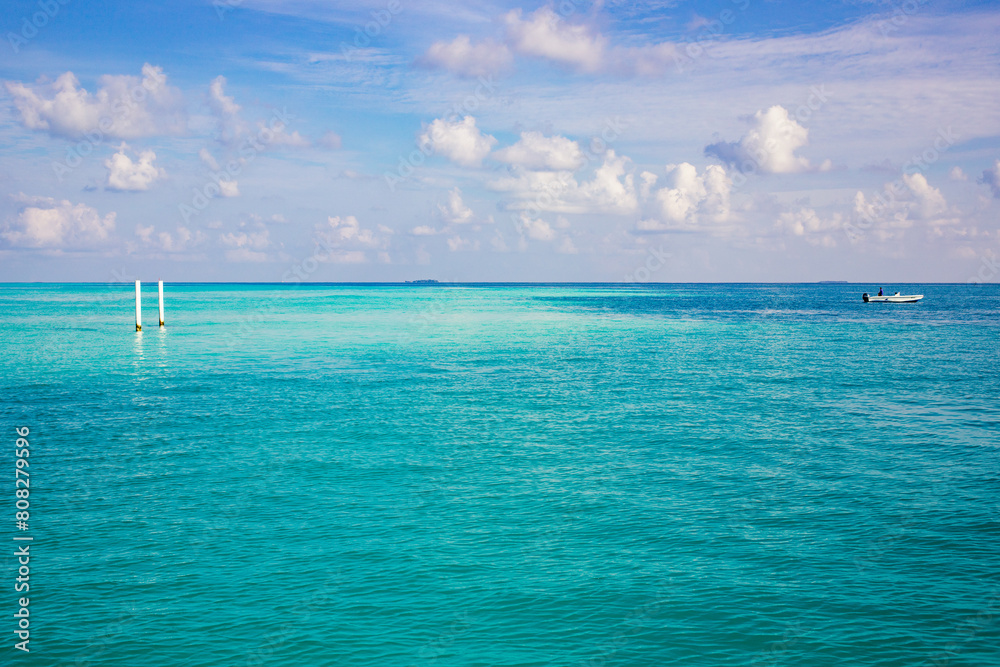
column 268, row 140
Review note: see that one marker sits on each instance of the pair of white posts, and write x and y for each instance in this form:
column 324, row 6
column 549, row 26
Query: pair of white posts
column 138, row 304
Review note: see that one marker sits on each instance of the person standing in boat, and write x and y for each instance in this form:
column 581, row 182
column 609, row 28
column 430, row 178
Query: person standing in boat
column 880, row 291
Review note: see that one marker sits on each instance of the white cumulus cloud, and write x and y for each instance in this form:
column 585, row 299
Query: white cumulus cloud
column 567, row 247
column 769, row 146
column 126, row 175
column 460, row 141
column 535, row 228
column 544, row 34
column 455, row 212
column 805, row 222
column 348, row 230
column 345, row 241
column 882, row 216
column 229, row 188
column 544, row 190
column 889, row 213
column 44, row 222
column 458, row 244
column 691, row 198
column 611, row 190
column 247, row 246
column 180, row 240
column 536, row 151
column 929, row 201
column 124, row 107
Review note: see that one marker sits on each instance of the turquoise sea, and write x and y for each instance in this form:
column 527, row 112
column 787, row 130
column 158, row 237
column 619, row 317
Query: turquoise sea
column 509, row 475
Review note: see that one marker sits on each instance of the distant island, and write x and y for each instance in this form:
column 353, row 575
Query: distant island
column 421, row 282
column 833, row 282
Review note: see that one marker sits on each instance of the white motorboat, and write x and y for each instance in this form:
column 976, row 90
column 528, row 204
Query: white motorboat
column 895, row 298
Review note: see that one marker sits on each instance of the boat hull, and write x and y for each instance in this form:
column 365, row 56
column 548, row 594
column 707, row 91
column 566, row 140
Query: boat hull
column 895, row 298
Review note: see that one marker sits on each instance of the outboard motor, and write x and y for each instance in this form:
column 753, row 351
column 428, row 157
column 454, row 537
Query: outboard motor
column 864, row 297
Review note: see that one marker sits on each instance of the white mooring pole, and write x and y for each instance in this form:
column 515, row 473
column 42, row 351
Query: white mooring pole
column 161, row 303
column 138, row 306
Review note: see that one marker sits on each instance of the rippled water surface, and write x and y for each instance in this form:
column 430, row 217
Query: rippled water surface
column 506, row 475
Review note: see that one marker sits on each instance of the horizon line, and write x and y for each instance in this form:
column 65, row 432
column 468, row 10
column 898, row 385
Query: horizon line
column 498, row 283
